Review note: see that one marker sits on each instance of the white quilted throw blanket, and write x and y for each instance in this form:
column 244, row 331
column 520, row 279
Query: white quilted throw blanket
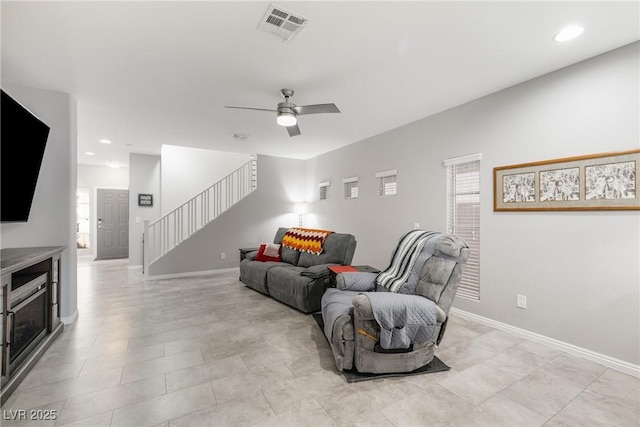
column 404, row 259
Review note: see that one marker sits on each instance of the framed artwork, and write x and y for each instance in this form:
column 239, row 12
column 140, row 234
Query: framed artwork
column 145, row 199
column 607, row 181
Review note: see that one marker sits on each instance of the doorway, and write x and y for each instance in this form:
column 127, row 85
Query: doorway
column 112, row 233
column 83, row 219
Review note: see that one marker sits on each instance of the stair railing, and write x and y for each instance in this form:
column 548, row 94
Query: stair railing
column 167, row 232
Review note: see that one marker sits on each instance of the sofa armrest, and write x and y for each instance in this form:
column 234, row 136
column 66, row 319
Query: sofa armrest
column 317, row 271
column 251, row 256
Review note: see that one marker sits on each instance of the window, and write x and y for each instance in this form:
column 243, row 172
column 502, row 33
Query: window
column 350, row 187
column 387, row 185
column 463, row 216
column 324, row 190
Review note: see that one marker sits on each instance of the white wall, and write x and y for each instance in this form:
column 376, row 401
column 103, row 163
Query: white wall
column 580, row 271
column 103, row 177
column 145, row 179
column 252, row 221
column 94, row 177
column 52, row 221
column 188, row 171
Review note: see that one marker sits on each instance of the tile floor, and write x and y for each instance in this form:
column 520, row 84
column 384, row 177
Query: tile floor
column 207, row 351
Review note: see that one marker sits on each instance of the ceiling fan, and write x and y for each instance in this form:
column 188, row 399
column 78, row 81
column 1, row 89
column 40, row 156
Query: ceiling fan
column 287, row 111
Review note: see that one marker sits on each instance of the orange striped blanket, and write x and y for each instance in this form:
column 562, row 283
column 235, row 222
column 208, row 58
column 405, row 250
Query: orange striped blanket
column 305, row 239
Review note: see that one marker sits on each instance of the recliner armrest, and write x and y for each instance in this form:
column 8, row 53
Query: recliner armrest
column 356, row 281
column 362, row 307
column 363, row 311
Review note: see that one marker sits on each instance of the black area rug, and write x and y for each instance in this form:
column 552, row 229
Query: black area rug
column 352, row 376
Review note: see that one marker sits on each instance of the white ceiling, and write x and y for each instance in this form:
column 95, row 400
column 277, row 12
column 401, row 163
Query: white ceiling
column 150, row 73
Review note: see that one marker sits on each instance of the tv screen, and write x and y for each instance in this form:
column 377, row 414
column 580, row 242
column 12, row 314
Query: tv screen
column 23, row 138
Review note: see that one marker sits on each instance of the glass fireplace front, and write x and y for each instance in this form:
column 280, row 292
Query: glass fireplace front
column 28, row 319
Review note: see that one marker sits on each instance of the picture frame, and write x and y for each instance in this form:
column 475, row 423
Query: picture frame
column 605, row 181
column 145, row 200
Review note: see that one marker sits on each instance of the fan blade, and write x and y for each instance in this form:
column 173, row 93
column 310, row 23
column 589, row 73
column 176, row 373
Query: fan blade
column 316, row 109
column 249, row 108
column 293, row 130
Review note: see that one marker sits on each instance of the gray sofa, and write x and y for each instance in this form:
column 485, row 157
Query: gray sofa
column 300, row 278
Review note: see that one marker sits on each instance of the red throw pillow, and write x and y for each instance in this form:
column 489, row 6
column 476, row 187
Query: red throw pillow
column 262, row 257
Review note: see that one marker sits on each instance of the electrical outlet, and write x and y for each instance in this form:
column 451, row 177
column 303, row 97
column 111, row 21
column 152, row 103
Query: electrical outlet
column 223, row 255
column 521, row 301
column 416, row 225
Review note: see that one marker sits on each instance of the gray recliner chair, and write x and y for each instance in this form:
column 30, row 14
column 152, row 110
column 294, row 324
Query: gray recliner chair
column 356, row 337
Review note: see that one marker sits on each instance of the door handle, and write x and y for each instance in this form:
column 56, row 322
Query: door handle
column 12, row 332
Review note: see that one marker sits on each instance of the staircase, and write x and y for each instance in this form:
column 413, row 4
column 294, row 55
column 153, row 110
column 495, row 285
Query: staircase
column 169, row 231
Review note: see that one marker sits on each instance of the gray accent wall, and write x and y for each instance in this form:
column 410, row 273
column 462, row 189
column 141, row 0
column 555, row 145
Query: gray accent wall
column 252, row 221
column 52, row 220
column 580, row 271
column 144, row 178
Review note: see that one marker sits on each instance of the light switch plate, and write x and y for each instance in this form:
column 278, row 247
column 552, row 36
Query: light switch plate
column 521, row 301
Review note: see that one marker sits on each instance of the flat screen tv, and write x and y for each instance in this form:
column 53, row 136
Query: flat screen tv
column 23, row 138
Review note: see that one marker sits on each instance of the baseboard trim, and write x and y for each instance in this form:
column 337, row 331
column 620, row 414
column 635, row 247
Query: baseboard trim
column 192, row 274
column 610, row 362
column 135, row 267
column 67, row 320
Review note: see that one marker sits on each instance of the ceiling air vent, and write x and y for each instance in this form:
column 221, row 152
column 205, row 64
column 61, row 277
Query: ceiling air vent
column 281, row 22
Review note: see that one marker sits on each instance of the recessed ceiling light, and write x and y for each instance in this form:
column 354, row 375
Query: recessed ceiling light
column 105, row 141
column 568, row 33
column 89, row 153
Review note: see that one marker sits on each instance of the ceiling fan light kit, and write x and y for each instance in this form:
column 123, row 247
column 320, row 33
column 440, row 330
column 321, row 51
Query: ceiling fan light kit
column 286, row 119
column 287, row 111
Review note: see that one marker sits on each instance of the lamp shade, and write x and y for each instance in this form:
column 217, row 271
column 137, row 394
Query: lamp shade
column 286, row 119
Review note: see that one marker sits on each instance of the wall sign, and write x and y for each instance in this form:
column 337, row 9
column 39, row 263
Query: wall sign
column 145, row 199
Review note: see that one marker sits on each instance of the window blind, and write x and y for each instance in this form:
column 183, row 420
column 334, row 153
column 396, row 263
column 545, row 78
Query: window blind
column 350, row 187
column 387, row 182
column 463, row 216
column 324, row 190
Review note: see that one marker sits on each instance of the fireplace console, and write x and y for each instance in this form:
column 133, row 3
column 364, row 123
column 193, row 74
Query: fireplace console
column 30, row 309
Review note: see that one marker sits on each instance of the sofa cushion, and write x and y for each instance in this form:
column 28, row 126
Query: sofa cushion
column 254, row 274
column 287, row 255
column 337, row 249
column 290, row 256
column 287, row 285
